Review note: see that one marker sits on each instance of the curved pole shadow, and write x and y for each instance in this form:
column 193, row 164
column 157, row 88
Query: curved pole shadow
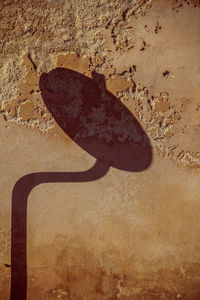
column 20, row 194
column 101, row 125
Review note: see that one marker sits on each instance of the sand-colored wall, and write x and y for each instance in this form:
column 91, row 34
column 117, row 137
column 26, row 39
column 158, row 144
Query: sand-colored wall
column 126, row 235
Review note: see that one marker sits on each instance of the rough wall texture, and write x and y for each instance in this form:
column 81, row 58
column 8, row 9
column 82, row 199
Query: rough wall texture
column 127, row 235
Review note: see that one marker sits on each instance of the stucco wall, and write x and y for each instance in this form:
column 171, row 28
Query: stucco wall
column 132, row 231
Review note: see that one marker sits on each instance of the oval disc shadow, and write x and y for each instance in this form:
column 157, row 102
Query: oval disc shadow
column 95, row 119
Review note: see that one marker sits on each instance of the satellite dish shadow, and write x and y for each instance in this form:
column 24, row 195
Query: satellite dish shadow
column 101, row 125
column 95, row 119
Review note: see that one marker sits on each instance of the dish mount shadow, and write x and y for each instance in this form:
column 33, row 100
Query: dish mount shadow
column 101, row 125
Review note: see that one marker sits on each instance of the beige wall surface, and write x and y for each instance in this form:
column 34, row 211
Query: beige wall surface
column 100, row 108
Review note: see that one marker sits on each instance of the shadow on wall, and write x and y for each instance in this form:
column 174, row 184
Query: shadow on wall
column 101, row 125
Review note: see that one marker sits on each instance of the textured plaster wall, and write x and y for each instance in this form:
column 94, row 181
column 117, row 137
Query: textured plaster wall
column 127, row 235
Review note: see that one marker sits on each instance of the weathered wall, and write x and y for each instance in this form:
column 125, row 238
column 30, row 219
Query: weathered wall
column 127, row 235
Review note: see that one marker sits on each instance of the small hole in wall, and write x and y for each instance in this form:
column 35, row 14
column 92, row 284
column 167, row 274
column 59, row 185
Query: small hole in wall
column 166, row 73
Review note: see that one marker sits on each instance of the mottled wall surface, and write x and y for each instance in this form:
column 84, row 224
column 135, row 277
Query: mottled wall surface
column 133, row 232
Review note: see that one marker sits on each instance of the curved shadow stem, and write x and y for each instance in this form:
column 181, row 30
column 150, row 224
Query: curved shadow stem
column 20, row 195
